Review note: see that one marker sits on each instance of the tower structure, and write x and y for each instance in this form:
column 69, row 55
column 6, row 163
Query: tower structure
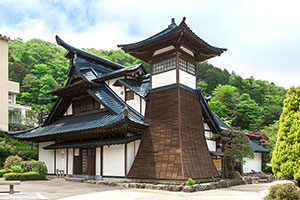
column 174, row 145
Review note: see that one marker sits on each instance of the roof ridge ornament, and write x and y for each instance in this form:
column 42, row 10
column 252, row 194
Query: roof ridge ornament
column 173, row 24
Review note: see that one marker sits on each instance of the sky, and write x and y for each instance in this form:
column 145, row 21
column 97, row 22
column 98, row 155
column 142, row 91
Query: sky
column 262, row 36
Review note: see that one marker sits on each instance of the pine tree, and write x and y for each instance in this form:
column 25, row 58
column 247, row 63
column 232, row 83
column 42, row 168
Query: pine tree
column 286, row 155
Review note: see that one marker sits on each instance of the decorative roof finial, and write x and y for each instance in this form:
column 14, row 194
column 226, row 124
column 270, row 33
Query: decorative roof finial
column 183, row 19
column 172, row 25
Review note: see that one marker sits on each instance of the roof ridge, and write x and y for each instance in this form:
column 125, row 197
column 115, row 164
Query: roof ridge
column 87, row 54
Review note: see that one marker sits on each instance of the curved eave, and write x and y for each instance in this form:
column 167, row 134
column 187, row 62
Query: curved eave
column 182, row 27
column 86, row 54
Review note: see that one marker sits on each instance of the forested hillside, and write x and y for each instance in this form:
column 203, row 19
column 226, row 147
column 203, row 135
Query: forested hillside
column 40, row 67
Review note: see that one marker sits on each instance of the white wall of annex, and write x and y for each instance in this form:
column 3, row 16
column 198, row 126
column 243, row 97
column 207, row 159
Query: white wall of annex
column 137, row 145
column 98, row 158
column 211, row 145
column 187, row 79
column 165, row 78
column 135, row 103
column 47, row 156
column 143, row 107
column 130, row 155
column 70, row 161
column 61, row 163
column 119, row 90
column 113, row 160
column 252, row 163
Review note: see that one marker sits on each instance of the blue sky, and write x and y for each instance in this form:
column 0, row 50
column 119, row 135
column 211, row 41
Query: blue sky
column 262, row 36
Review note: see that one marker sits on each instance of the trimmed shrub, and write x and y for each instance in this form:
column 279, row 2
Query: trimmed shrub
column 12, row 160
column 16, row 169
column 286, row 191
column 190, row 182
column 3, row 171
column 23, row 176
column 36, row 166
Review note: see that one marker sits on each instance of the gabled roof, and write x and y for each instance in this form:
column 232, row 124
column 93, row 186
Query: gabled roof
column 223, row 126
column 72, row 51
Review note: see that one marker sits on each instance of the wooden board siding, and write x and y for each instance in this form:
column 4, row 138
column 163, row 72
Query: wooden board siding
column 84, row 105
column 174, row 145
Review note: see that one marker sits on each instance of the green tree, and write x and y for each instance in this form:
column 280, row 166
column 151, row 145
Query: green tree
column 227, row 94
column 247, row 114
column 286, row 155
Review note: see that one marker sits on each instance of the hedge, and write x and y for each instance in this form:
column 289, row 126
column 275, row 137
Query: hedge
column 2, row 172
column 36, row 166
column 23, row 176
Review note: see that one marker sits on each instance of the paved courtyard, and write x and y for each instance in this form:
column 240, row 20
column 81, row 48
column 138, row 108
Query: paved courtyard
column 64, row 190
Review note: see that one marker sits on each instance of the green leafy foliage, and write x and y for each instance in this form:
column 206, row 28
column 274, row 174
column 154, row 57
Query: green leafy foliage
column 16, row 169
column 286, row 155
column 23, row 176
column 190, row 182
column 36, row 166
column 2, row 172
column 11, row 161
column 285, row 191
column 236, row 145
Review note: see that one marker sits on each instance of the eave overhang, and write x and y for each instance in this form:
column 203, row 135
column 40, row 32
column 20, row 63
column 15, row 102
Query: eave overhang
column 176, row 36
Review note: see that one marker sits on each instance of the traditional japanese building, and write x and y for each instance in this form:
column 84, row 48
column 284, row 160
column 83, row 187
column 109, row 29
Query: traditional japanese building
column 116, row 121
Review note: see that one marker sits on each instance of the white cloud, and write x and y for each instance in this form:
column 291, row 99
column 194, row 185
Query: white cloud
column 262, row 37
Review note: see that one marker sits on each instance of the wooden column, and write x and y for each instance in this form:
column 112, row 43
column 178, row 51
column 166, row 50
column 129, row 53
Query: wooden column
column 101, row 161
column 67, row 162
column 54, row 161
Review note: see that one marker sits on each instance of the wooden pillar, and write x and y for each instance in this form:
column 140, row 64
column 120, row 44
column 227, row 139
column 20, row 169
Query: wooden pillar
column 67, row 162
column 54, row 161
column 101, row 161
column 125, row 165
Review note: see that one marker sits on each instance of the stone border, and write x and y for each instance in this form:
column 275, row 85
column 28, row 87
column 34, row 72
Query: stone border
column 175, row 188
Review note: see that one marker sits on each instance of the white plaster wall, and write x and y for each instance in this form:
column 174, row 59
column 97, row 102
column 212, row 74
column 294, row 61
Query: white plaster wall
column 143, row 107
column 113, row 160
column 208, row 135
column 117, row 89
column 165, row 78
column 135, row 103
column 61, row 163
column 70, row 161
column 187, row 79
column 252, row 163
column 98, row 158
column 47, row 156
column 211, row 145
column 130, row 155
column 137, row 145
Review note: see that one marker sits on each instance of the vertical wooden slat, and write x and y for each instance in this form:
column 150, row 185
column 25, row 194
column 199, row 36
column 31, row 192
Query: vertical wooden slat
column 67, row 164
column 54, row 161
column 125, row 165
column 101, row 161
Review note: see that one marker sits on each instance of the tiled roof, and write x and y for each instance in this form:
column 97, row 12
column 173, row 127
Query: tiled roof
column 171, row 28
column 93, row 143
column 3, row 37
column 87, row 55
column 257, row 134
column 256, row 147
column 220, row 122
column 140, row 87
column 120, row 72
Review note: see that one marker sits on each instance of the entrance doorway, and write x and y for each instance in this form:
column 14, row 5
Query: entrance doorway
column 85, row 161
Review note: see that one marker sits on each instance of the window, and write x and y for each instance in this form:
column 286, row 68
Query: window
column 129, row 95
column 187, row 66
column 164, row 65
column 14, row 116
column 9, row 98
